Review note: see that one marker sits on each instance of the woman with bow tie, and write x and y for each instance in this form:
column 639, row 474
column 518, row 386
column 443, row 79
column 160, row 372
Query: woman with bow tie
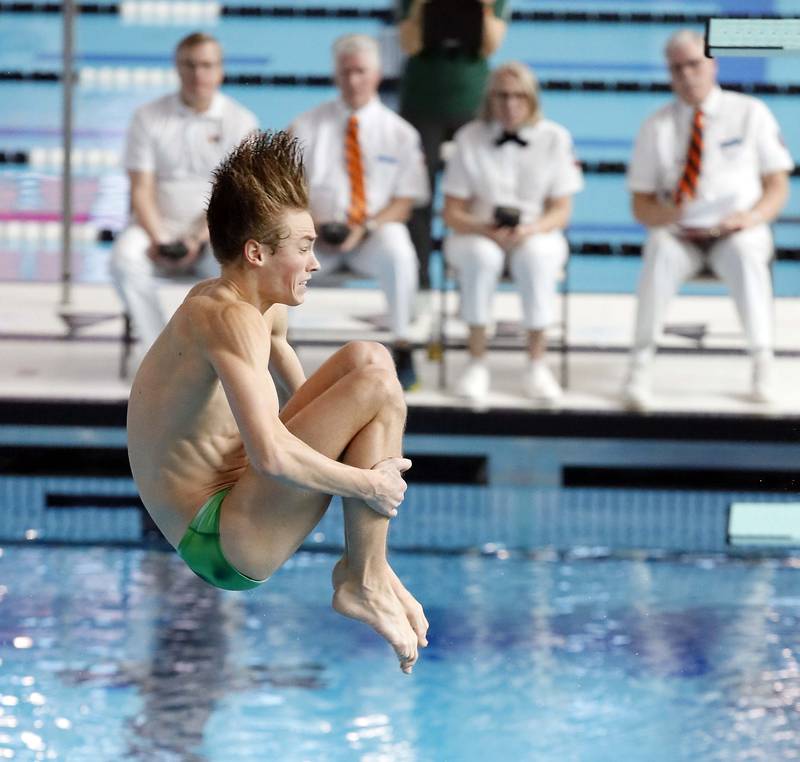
column 508, row 197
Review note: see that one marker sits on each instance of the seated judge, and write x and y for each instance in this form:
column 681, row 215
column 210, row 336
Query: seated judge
column 173, row 145
column 508, row 197
column 366, row 171
column 709, row 172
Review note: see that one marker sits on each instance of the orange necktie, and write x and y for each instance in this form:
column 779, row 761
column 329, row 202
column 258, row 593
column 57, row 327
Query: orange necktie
column 357, row 211
column 687, row 185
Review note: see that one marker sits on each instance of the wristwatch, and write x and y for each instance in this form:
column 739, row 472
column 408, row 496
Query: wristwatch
column 370, row 226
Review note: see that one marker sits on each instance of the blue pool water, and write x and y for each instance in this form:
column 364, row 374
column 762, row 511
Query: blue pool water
column 111, row 654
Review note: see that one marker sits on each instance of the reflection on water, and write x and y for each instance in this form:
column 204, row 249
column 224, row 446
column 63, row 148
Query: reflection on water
column 154, row 630
column 112, row 654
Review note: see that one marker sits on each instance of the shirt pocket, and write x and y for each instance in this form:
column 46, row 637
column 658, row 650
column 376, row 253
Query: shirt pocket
column 735, row 161
column 170, row 156
column 206, row 144
column 533, row 183
column 732, row 150
column 382, row 174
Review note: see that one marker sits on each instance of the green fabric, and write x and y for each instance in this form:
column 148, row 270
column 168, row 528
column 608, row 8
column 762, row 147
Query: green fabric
column 447, row 87
column 200, row 548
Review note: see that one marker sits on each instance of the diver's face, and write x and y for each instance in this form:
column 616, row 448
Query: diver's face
column 291, row 264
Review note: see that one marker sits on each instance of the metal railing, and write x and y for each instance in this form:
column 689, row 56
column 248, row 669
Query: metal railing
column 68, row 45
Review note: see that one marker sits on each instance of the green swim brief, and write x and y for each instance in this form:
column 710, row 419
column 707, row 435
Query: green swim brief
column 200, row 548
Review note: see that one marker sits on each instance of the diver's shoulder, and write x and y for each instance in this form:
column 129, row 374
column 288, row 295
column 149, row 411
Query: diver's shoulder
column 217, row 310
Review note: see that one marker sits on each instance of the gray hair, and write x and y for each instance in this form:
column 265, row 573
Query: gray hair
column 357, row 43
column 682, row 37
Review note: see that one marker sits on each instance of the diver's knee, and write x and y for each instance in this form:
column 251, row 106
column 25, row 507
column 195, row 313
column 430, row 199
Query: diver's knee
column 377, row 386
column 362, row 354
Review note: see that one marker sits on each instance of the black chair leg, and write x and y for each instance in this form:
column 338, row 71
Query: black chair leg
column 443, row 331
column 127, row 344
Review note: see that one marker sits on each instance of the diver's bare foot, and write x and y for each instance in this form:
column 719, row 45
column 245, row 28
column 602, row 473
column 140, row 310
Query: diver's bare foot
column 412, row 607
column 339, row 573
column 380, row 608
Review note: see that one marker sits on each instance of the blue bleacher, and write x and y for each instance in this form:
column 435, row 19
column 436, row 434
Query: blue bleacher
column 565, row 49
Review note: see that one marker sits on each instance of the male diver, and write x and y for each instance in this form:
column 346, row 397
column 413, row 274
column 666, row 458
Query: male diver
column 235, row 483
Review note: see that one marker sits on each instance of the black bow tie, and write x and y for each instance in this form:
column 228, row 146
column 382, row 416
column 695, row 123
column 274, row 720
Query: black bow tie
column 511, row 137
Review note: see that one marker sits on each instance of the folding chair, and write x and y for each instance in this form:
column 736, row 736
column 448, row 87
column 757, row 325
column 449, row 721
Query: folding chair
column 502, row 340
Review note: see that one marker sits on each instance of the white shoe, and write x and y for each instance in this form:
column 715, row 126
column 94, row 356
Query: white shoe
column 636, row 393
column 474, row 384
column 540, row 385
column 762, row 389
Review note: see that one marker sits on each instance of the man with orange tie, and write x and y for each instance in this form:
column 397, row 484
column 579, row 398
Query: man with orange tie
column 709, row 172
column 366, row 172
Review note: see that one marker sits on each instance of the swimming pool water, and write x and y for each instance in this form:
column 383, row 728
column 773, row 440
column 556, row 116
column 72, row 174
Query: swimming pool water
column 111, row 654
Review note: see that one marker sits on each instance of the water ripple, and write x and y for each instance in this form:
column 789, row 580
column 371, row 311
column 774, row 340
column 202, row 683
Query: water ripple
column 113, row 655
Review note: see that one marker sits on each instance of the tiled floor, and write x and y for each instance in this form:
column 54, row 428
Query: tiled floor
column 37, row 362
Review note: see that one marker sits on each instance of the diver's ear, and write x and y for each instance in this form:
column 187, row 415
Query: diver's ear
column 255, row 252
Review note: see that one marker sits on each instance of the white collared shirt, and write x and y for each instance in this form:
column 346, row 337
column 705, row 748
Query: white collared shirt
column 391, row 154
column 741, row 143
column 524, row 177
column 182, row 147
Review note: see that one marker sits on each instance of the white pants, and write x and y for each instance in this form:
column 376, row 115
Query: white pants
column 536, row 266
column 741, row 260
column 388, row 255
column 134, row 276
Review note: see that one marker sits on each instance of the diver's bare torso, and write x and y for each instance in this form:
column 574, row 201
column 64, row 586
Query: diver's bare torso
column 183, row 442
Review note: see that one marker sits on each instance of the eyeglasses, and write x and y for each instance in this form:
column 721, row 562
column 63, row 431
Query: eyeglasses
column 508, row 95
column 199, row 65
column 691, row 65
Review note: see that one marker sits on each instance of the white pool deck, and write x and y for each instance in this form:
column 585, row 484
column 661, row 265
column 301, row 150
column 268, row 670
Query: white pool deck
column 38, row 362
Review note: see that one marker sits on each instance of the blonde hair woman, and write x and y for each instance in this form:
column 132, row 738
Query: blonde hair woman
column 508, row 196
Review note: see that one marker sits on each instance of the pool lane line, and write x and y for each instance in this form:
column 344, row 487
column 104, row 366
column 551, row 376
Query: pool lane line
column 162, row 10
column 118, row 77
